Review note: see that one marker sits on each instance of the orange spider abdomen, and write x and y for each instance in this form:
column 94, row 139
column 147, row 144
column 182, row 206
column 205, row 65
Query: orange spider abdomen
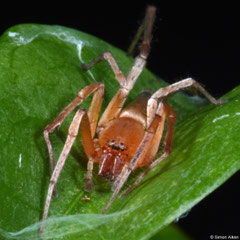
column 119, row 142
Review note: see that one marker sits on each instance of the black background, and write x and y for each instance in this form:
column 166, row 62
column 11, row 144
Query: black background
column 196, row 40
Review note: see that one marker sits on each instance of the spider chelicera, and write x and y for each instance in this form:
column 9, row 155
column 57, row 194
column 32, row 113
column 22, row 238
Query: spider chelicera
column 127, row 138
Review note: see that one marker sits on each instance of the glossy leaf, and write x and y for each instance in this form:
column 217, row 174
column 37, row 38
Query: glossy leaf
column 40, row 74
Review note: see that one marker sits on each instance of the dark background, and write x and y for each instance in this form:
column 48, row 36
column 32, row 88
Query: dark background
column 194, row 40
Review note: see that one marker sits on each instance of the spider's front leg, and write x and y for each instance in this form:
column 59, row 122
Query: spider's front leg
column 114, row 107
column 126, row 84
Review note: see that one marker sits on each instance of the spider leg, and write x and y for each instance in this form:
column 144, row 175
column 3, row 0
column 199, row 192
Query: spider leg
column 98, row 89
column 113, row 64
column 140, row 153
column 80, row 119
column 117, row 102
column 140, row 60
column 164, row 92
column 171, row 116
column 136, row 38
column 126, row 84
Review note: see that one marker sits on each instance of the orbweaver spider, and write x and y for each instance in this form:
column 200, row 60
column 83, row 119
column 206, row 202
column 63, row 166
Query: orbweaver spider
column 116, row 150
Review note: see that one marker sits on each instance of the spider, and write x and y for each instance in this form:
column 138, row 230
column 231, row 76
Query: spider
column 128, row 137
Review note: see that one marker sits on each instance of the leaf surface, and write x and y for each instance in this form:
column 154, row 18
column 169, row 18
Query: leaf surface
column 40, row 74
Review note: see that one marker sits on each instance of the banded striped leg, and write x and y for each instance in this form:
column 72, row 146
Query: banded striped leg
column 98, row 90
column 171, row 116
column 80, row 119
column 138, row 156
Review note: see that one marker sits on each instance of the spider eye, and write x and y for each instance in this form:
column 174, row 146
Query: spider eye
column 115, row 147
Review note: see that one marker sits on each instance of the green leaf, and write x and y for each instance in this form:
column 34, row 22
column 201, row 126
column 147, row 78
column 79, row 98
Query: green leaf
column 40, row 74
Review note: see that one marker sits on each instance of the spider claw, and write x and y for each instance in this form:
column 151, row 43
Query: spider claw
column 88, row 185
column 104, row 211
column 222, row 101
column 114, row 186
